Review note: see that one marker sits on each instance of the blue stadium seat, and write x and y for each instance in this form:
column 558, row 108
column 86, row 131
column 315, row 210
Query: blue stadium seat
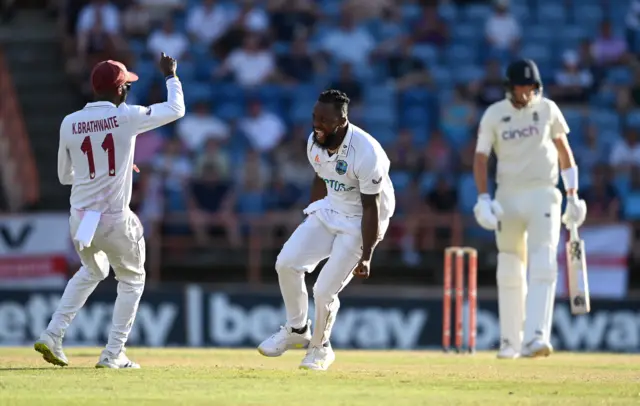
column 442, row 77
column 589, row 15
column 377, row 95
column 467, row 193
column 229, row 111
column 571, row 35
column 415, row 97
column 551, row 14
column 633, row 118
column 467, row 74
column 477, row 12
column 448, row 12
column 414, row 116
column 631, row 206
column 539, row 34
column 522, row 12
column 381, row 115
column 466, row 33
column 198, row 91
column 400, row 180
column 605, row 119
column 620, row 76
column 461, row 55
column 427, row 54
column 604, row 99
column 622, row 184
column 427, row 182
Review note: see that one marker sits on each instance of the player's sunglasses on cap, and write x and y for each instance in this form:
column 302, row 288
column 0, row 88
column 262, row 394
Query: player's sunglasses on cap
column 109, row 75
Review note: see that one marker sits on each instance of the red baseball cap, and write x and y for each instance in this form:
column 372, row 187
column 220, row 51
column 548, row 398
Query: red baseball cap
column 108, row 75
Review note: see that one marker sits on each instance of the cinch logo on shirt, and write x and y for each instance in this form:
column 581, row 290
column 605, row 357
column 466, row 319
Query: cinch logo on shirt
column 520, row 133
column 338, row 186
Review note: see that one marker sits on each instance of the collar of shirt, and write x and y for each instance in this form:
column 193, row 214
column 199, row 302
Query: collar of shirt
column 100, row 104
column 343, row 150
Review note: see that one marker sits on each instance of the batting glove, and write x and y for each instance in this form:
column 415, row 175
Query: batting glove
column 487, row 212
column 576, row 211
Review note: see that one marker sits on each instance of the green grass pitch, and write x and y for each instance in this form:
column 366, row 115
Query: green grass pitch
column 242, row 377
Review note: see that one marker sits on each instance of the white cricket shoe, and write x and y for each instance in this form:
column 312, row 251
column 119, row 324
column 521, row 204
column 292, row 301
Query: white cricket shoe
column 537, row 348
column 120, row 361
column 507, row 351
column 51, row 349
column 318, row 358
column 285, row 339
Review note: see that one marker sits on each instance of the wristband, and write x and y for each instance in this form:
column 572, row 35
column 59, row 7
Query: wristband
column 484, row 196
column 570, row 178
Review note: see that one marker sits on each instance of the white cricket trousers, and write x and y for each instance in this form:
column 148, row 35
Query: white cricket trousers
column 118, row 242
column 324, row 233
column 527, row 237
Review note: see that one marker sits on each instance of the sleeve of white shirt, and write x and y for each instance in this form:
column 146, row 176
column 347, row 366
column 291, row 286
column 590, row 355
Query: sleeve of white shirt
column 559, row 126
column 486, row 133
column 144, row 119
column 370, row 171
column 65, row 168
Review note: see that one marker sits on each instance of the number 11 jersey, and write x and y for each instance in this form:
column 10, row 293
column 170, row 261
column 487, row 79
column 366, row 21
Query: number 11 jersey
column 97, row 146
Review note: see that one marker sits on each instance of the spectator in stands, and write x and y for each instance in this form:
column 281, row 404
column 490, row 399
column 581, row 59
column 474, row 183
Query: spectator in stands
column 98, row 43
column 490, row 88
column 590, row 153
column 601, row 196
column 430, row 29
column 148, row 145
column 629, row 96
column 174, row 169
column 249, row 19
column 443, row 198
column 368, row 9
column 284, row 196
column 169, row 41
column 98, row 12
column 349, row 42
column 297, row 66
column 626, row 151
column 209, row 21
column 502, row 30
column 213, row 155
column 347, row 83
column 459, row 114
column 293, row 164
column 632, row 22
column 162, row 9
column 405, row 69
column 403, row 152
column 608, row 49
column 211, row 207
column 136, row 21
column 255, row 177
column 292, row 18
column 437, row 156
column 250, row 65
column 263, row 129
column 391, row 28
column 573, row 83
column 201, row 125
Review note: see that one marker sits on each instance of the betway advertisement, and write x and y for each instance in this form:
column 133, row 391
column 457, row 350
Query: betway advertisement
column 200, row 318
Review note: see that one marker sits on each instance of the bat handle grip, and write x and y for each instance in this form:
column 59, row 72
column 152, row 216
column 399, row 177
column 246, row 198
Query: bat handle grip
column 573, row 231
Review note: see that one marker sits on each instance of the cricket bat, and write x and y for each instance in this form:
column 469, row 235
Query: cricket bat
column 577, row 273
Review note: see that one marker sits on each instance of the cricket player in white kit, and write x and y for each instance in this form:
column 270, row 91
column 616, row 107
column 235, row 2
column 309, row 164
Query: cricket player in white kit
column 95, row 156
column 352, row 200
column 528, row 135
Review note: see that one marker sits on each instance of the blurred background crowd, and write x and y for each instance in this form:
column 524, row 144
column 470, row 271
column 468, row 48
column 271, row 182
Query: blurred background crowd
column 419, row 73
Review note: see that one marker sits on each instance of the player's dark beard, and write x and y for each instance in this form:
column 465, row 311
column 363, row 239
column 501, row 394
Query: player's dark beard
column 125, row 92
column 330, row 140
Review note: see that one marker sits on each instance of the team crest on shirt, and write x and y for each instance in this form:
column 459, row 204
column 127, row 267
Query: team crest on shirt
column 341, row 167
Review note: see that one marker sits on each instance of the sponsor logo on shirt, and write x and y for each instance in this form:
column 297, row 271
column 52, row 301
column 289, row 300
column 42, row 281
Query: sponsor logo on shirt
column 518, row 133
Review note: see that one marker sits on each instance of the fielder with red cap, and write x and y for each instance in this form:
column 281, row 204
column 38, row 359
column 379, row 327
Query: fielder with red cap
column 95, row 156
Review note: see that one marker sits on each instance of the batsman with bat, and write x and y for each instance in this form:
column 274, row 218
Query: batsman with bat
column 528, row 135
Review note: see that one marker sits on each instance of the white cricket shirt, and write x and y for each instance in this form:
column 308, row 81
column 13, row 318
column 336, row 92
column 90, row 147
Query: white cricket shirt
column 97, row 144
column 359, row 166
column 522, row 140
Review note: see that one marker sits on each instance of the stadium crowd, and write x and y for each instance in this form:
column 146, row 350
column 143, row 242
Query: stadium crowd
column 419, row 74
